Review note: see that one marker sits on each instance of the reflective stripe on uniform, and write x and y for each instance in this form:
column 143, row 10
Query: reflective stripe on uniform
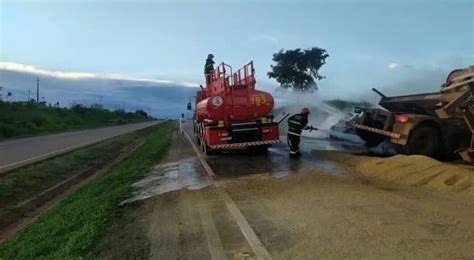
column 291, row 133
column 294, row 122
column 292, row 152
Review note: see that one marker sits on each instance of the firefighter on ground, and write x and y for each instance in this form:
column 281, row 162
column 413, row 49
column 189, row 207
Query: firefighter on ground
column 297, row 123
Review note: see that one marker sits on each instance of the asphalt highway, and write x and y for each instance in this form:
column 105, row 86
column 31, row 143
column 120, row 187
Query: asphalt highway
column 20, row 152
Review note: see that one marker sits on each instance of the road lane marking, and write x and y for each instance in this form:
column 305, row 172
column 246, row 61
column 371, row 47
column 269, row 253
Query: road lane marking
column 214, row 242
column 208, row 168
column 259, row 249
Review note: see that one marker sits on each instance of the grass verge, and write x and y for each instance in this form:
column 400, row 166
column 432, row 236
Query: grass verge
column 71, row 229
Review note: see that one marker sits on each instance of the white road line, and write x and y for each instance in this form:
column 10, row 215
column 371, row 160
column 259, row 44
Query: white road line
column 214, row 243
column 258, row 248
column 208, row 168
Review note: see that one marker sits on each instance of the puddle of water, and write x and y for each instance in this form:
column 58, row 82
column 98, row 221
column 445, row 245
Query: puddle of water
column 168, row 177
column 187, row 173
column 286, row 166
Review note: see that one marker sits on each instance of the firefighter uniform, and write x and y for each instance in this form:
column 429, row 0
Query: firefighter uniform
column 296, row 123
column 209, row 66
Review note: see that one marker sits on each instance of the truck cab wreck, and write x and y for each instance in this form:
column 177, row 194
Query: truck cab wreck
column 439, row 124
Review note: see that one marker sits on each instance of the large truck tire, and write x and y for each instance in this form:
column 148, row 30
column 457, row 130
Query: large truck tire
column 371, row 139
column 455, row 136
column 423, row 140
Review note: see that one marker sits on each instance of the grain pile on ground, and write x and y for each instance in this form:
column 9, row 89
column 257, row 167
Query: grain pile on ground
column 412, row 170
column 416, row 170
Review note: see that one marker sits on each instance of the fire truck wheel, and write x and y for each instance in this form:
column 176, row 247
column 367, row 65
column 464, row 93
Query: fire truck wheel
column 424, row 140
column 204, row 147
column 206, row 150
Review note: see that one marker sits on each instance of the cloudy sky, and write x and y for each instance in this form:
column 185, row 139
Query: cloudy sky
column 393, row 45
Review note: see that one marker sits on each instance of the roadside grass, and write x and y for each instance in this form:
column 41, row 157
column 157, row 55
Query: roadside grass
column 20, row 119
column 25, row 182
column 72, row 229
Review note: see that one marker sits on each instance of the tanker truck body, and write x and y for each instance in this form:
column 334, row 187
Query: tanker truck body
column 231, row 114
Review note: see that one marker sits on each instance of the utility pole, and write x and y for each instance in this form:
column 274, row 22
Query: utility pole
column 37, row 90
column 29, row 94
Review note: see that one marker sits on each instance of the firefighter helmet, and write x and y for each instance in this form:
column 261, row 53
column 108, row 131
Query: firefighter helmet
column 306, row 111
column 210, row 56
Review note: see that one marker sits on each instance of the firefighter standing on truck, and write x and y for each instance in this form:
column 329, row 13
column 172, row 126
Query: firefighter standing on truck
column 297, row 123
column 209, row 67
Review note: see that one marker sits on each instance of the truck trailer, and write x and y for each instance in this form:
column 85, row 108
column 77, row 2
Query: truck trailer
column 439, row 124
column 231, row 114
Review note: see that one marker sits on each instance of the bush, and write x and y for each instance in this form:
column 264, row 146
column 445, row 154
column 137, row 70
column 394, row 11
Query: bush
column 27, row 118
column 7, row 130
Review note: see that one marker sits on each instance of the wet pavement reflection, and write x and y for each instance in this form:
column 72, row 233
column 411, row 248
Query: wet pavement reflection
column 188, row 172
column 170, row 177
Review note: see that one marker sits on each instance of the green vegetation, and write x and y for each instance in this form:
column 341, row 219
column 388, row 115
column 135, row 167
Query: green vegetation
column 19, row 119
column 72, row 229
column 298, row 69
column 28, row 181
column 347, row 104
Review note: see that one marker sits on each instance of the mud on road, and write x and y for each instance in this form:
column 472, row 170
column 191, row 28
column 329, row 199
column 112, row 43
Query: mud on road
column 313, row 207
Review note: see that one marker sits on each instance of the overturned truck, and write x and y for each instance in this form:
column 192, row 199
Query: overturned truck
column 439, row 124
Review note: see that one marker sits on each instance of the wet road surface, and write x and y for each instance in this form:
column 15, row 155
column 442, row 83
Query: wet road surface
column 298, row 209
column 20, row 152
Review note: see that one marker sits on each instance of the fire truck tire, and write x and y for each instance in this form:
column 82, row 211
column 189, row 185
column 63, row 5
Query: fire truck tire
column 423, row 140
column 204, row 147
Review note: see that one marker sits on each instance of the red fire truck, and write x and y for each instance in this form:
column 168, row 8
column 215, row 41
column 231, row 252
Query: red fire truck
column 231, row 114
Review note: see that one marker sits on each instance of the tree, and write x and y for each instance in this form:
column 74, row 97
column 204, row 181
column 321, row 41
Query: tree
column 141, row 113
column 298, row 69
